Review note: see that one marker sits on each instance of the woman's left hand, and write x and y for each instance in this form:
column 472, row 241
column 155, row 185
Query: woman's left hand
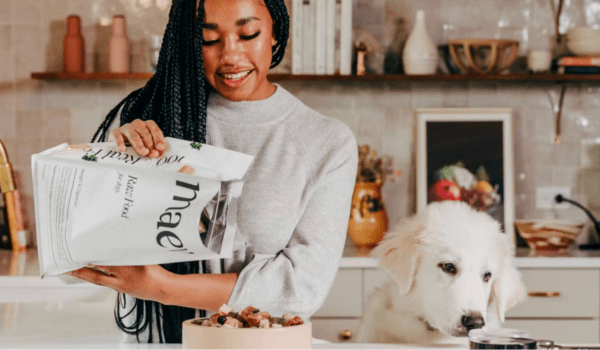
column 141, row 282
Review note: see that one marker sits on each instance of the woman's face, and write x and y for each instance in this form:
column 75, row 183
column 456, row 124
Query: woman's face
column 237, row 50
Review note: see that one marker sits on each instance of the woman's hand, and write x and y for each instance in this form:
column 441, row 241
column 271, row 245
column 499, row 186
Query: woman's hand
column 145, row 137
column 142, row 282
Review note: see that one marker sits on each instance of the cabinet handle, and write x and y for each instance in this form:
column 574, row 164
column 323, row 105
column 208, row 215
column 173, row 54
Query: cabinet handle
column 544, row 294
column 346, row 335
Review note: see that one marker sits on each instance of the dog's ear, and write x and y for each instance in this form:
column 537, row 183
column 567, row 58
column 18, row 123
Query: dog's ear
column 398, row 253
column 508, row 288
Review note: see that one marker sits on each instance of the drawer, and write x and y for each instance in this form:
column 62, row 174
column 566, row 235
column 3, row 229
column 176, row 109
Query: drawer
column 374, row 278
column 560, row 331
column 578, row 288
column 330, row 329
column 345, row 296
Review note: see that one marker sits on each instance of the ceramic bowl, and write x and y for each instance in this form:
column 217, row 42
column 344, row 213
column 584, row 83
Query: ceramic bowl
column 548, row 235
column 579, row 33
column 584, row 48
column 196, row 336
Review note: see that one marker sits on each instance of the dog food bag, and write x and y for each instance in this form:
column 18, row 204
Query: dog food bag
column 96, row 205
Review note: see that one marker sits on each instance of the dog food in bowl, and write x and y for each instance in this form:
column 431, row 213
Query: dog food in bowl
column 548, row 235
column 249, row 329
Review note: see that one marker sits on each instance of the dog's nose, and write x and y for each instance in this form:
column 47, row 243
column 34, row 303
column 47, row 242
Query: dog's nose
column 473, row 320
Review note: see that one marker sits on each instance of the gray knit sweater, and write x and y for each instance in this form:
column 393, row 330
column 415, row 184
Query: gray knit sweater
column 295, row 205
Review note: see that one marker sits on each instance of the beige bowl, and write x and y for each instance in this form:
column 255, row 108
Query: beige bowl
column 548, row 235
column 196, row 336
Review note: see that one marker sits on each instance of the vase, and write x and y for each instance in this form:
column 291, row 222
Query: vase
column 368, row 217
column 73, row 47
column 118, row 47
column 420, row 54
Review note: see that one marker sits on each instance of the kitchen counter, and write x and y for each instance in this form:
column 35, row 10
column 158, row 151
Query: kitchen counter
column 25, row 265
column 358, row 257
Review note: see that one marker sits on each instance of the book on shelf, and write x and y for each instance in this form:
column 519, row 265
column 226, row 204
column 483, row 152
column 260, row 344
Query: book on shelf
column 346, row 50
column 297, row 37
column 330, row 30
column 320, row 36
column 309, row 33
column 579, row 70
column 579, row 61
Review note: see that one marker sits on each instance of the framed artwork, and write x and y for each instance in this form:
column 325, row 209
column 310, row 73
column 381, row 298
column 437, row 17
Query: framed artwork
column 467, row 154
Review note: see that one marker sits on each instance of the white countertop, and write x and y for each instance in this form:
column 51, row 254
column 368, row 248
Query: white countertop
column 84, row 325
column 358, row 257
column 25, row 265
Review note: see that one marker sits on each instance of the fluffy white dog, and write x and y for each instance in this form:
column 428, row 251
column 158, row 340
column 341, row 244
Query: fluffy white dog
column 451, row 271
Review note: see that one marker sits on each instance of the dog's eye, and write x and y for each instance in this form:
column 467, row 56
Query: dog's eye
column 448, row 268
column 487, row 276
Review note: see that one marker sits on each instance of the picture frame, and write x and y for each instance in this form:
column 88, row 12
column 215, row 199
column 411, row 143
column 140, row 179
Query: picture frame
column 478, row 138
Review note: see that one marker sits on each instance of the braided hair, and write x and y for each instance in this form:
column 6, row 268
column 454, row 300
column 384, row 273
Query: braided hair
column 176, row 99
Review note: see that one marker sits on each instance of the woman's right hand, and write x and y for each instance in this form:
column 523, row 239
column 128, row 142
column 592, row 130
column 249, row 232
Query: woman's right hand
column 145, row 137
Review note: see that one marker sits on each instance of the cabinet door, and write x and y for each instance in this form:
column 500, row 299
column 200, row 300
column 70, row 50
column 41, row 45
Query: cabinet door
column 345, row 297
column 571, row 293
column 331, row 329
column 560, row 331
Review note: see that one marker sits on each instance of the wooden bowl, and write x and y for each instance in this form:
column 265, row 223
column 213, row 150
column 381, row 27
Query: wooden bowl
column 548, row 235
column 483, row 56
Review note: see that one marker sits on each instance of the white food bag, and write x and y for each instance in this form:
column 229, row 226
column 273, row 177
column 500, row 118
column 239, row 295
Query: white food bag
column 96, row 205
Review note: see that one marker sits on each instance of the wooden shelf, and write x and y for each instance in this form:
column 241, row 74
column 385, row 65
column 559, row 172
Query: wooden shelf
column 525, row 77
column 91, row 76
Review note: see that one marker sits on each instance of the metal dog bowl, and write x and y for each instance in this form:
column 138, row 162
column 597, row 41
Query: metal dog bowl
column 501, row 339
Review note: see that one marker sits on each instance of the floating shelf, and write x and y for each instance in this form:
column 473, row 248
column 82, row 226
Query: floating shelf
column 525, row 77
column 91, row 76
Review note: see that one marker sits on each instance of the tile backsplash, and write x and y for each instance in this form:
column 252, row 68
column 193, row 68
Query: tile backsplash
column 36, row 115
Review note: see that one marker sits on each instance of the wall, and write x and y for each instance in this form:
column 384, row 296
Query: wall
column 36, row 115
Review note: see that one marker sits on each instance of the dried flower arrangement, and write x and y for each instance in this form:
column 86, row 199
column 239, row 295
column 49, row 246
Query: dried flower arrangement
column 374, row 169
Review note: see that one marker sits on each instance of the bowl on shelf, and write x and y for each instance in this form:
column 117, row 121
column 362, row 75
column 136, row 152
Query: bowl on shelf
column 548, row 236
column 483, row 56
column 584, row 41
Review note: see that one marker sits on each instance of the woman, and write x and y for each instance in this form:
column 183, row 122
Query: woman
column 211, row 86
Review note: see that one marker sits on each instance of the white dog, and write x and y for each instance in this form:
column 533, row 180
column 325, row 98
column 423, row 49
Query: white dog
column 451, row 271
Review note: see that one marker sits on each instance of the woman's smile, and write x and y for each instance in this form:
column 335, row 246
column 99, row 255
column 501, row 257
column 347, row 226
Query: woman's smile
column 235, row 80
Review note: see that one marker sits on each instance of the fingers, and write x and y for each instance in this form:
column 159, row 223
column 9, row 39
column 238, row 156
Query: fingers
column 94, row 276
column 145, row 137
column 157, row 135
column 134, row 139
column 186, row 169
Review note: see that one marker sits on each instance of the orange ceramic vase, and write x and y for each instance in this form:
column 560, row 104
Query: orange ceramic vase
column 368, row 218
column 73, row 47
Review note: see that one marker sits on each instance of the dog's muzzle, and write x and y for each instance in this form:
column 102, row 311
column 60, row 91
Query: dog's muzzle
column 472, row 320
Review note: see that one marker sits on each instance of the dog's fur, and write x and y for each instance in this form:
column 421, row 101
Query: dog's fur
column 423, row 303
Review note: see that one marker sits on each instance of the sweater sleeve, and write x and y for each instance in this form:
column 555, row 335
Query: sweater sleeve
column 298, row 278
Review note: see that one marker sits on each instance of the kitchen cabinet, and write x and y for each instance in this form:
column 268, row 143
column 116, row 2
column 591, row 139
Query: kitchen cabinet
column 564, row 307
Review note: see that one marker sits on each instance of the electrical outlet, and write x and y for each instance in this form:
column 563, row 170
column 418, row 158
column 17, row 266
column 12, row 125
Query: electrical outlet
column 546, row 198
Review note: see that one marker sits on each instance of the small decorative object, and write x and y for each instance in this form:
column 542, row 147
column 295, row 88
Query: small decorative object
column 420, row 55
column 118, row 46
column 73, row 47
column 466, row 155
column 361, row 51
column 368, row 217
column 539, row 60
column 483, row 56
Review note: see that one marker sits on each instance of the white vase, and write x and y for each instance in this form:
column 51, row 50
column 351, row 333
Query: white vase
column 420, row 55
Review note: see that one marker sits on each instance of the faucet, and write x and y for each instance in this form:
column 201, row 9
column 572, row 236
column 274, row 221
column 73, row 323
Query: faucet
column 7, row 179
column 593, row 246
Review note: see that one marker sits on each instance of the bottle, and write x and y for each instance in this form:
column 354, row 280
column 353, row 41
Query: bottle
column 118, row 47
column 420, row 54
column 73, row 47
